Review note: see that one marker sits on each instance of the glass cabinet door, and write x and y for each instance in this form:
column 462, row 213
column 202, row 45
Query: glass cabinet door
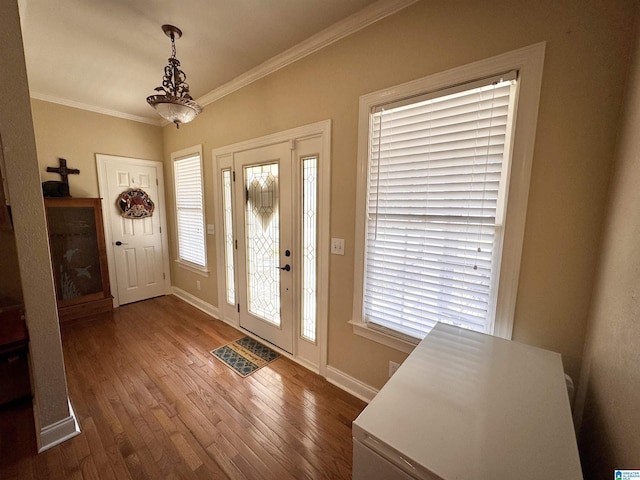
column 74, row 250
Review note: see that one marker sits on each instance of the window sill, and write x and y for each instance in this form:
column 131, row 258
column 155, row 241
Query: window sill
column 202, row 271
column 364, row 330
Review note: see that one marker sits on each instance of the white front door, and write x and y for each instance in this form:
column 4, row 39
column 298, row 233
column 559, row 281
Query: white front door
column 266, row 259
column 272, row 206
column 137, row 246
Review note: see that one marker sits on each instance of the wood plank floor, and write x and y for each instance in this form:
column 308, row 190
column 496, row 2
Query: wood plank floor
column 154, row 403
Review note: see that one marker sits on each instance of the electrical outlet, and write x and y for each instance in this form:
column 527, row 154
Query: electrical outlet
column 393, row 368
column 198, row 284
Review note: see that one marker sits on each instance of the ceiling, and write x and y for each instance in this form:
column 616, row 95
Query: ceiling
column 109, row 55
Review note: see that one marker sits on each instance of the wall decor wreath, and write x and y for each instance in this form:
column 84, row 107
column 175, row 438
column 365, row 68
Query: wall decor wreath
column 135, row 203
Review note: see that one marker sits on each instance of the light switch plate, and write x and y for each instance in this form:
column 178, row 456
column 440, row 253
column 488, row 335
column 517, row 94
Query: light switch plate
column 337, row 246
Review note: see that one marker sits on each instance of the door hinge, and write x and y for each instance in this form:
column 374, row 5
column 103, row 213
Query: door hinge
column 157, row 182
column 236, row 244
column 160, row 229
column 238, row 308
column 246, row 195
column 233, row 174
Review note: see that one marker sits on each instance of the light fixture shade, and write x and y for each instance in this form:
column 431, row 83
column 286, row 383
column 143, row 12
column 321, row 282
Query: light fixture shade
column 173, row 101
column 174, row 109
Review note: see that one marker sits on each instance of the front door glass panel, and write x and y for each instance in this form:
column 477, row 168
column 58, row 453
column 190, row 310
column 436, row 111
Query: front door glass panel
column 262, row 230
column 227, row 210
column 309, row 246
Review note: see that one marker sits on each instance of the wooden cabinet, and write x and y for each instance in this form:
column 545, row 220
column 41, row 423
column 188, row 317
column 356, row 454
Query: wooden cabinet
column 78, row 256
column 14, row 348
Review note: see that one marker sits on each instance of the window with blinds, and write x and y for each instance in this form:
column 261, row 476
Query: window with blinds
column 435, row 206
column 187, row 174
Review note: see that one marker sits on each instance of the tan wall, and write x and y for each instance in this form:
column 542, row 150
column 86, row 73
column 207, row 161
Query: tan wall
column 610, row 437
column 584, row 69
column 19, row 152
column 77, row 135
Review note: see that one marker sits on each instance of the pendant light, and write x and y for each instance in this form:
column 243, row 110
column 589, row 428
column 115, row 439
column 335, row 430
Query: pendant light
column 173, row 101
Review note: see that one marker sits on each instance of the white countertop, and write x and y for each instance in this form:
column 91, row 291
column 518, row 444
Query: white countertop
column 465, row 405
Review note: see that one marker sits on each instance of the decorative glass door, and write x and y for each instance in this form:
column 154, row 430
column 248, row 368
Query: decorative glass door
column 273, row 204
column 266, row 257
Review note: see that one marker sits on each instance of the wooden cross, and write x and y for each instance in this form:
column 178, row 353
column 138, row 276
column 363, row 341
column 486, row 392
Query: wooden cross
column 64, row 171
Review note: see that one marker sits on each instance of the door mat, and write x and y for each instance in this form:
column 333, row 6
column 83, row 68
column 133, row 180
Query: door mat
column 245, row 355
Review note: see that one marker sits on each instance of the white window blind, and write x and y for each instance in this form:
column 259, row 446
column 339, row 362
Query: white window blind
column 189, row 210
column 435, row 207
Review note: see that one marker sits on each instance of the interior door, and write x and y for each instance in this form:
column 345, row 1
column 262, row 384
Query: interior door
column 136, row 243
column 266, row 257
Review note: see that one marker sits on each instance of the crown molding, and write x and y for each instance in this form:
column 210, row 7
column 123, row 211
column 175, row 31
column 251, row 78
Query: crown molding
column 93, row 108
column 357, row 21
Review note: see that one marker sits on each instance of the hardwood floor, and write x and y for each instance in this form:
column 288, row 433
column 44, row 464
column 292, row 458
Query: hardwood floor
column 154, row 403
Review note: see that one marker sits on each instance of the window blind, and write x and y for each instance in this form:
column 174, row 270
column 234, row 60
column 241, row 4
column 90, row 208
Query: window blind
column 433, row 207
column 189, row 210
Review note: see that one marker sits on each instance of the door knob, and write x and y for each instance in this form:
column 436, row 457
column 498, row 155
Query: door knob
column 118, row 243
column 286, row 268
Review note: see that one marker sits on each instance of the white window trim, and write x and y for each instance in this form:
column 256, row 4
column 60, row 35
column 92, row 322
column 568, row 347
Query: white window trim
column 529, row 62
column 198, row 269
column 192, row 267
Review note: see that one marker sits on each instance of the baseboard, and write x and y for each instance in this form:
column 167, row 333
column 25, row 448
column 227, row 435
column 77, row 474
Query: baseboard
column 306, row 364
column 196, row 302
column 58, row 432
column 338, row 378
column 350, row 385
